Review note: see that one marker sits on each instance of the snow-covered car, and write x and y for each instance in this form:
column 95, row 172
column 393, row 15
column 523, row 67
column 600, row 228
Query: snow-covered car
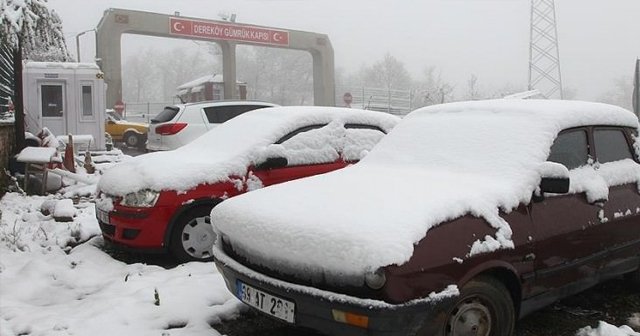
column 462, row 219
column 161, row 201
column 180, row 124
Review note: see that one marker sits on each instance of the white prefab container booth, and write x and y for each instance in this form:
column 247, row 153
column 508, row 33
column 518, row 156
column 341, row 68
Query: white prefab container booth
column 67, row 98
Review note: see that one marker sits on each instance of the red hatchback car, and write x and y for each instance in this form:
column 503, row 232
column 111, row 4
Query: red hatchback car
column 161, row 201
column 462, row 219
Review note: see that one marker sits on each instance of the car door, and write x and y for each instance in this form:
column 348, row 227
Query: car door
column 566, row 235
column 620, row 233
column 305, row 157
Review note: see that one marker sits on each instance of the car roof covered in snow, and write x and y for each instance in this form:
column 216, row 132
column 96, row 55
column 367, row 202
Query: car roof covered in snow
column 228, row 149
column 440, row 163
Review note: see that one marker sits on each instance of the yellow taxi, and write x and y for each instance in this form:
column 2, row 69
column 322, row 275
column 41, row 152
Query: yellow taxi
column 131, row 133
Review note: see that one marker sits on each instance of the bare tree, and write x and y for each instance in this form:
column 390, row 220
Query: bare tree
column 388, row 73
column 277, row 75
column 620, row 94
column 473, row 93
column 432, row 89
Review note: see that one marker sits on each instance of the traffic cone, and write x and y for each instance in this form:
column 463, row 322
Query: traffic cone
column 69, row 161
column 88, row 164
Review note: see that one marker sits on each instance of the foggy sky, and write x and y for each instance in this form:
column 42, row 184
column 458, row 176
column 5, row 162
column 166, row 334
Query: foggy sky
column 599, row 39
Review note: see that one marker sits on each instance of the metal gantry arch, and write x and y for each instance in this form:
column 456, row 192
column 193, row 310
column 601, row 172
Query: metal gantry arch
column 116, row 22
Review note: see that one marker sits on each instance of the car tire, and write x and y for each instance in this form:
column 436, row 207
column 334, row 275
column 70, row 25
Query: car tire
column 192, row 236
column 132, row 139
column 484, row 307
column 633, row 277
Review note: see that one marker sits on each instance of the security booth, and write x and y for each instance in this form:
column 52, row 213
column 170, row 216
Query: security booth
column 66, row 98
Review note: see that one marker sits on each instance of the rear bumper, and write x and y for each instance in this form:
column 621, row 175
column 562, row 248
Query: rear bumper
column 315, row 308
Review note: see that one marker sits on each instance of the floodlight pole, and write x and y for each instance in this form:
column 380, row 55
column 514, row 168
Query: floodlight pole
column 78, row 43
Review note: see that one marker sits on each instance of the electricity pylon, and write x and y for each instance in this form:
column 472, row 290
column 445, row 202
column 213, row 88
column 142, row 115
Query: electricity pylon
column 544, row 54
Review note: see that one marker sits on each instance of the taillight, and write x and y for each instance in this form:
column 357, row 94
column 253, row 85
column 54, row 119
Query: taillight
column 170, row 129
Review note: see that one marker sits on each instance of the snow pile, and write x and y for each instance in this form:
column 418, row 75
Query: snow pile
column 634, row 321
column 438, row 164
column 595, row 179
column 86, row 292
column 64, row 208
column 606, row 329
column 23, row 227
column 48, row 288
column 227, row 150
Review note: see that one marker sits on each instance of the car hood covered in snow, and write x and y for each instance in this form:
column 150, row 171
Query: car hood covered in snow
column 438, row 164
column 226, row 150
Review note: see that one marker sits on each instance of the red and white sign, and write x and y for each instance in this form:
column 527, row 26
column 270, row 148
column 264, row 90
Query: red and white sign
column 227, row 31
column 119, row 107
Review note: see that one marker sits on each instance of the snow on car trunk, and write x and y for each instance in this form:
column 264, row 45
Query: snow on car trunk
column 229, row 149
column 439, row 164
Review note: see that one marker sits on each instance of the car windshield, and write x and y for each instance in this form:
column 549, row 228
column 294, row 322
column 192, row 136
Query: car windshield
column 477, row 141
column 167, row 114
column 114, row 116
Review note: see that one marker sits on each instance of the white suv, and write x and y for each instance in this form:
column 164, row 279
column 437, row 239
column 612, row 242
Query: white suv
column 180, row 124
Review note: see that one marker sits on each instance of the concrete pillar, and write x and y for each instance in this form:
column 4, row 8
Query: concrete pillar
column 229, row 69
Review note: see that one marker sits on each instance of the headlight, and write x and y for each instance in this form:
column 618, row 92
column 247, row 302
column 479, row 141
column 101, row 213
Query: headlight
column 140, row 199
column 375, row 280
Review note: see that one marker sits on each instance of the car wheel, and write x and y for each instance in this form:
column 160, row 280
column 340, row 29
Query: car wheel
column 484, row 308
column 192, row 237
column 132, row 139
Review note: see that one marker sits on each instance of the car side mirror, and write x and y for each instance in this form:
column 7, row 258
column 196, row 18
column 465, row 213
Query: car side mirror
column 110, row 122
column 554, row 178
column 273, row 162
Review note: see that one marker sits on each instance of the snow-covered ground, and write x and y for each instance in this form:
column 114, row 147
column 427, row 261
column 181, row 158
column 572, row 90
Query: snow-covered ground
column 50, row 288
column 56, row 279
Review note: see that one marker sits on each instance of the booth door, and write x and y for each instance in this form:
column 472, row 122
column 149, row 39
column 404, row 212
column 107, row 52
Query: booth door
column 52, row 107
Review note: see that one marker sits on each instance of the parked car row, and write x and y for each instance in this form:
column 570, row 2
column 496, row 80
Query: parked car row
column 465, row 217
column 161, row 201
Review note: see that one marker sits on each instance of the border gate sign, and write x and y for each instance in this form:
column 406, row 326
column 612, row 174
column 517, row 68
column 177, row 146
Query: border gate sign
column 230, row 32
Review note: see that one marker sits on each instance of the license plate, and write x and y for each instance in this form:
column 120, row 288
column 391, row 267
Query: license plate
column 265, row 302
column 103, row 216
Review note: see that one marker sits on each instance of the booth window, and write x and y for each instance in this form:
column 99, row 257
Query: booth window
column 87, row 101
column 52, row 100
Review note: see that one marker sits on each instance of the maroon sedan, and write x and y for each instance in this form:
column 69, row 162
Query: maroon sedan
column 464, row 218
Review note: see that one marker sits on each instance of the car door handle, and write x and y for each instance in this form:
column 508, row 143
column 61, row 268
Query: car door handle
column 529, row 257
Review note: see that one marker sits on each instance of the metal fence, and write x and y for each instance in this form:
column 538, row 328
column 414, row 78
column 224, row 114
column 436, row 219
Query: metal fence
column 377, row 99
column 144, row 111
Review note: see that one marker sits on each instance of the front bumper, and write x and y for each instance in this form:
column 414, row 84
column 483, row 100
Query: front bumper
column 137, row 229
column 314, row 307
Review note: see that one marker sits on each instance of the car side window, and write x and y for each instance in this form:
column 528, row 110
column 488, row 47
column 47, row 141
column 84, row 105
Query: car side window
column 359, row 140
column 298, row 131
column 570, row 149
column 312, row 144
column 611, row 145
